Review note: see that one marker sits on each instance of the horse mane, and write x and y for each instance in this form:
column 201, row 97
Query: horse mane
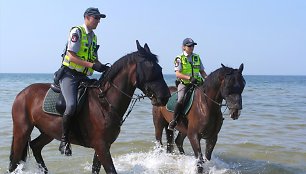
column 213, row 79
column 130, row 58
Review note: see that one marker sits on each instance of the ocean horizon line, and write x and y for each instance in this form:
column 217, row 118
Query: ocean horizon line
column 46, row 73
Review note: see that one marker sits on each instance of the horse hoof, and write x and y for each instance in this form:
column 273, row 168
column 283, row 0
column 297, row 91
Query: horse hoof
column 68, row 152
column 200, row 169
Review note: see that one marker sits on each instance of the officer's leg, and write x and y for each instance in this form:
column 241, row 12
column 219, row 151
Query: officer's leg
column 69, row 90
column 56, row 80
column 178, row 107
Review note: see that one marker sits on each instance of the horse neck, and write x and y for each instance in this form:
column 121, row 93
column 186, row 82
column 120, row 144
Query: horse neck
column 122, row 89
column 213, row 92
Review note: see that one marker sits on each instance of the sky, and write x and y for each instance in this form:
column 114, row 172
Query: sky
column 267, row 36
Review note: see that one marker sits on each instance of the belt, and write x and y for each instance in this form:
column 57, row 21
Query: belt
column 73, row 72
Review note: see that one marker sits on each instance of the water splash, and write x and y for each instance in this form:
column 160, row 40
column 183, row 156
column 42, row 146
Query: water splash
column 157, row 161
column 29, row 167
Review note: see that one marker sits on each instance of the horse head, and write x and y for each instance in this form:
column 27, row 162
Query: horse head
column 149, row 77
column 231, row 89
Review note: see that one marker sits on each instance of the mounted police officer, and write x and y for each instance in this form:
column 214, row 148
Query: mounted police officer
column 188, row 69
column 79, row 61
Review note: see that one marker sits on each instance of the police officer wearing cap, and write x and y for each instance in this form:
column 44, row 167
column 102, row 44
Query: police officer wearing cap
column 79, row 61
column 188, row 70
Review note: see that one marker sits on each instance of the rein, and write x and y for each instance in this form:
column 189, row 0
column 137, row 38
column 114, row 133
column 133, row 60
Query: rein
column 219, row 104
column 137, row 96
column 132, row 104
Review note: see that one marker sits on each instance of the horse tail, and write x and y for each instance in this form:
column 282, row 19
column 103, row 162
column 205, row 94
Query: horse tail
column 12, row 152
column 25, row 151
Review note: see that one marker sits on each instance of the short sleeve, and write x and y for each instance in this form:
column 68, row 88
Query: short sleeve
column 201, row 65
column 177, row 64
column 74, row 40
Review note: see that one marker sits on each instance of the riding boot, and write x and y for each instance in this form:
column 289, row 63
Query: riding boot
column 65, row 147
column 56, row 80
column 176, row 115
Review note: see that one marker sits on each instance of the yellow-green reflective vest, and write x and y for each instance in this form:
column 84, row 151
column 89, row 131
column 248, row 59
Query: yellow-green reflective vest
column 85, row 53
column 187, row 67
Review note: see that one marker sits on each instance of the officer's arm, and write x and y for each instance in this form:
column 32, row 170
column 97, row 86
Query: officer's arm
column 75, row 59
column 181, row 76
column 203, row 73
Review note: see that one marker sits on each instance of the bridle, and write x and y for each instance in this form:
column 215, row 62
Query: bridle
column 134, row 97
column 197, row 86
column 215, row 102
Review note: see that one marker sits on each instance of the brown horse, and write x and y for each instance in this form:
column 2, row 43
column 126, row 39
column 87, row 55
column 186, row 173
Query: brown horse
column 97, row 125
column 204, row 120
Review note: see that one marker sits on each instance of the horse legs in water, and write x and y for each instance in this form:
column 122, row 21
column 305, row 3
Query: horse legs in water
column 210, row 145
column 170, row 138
column 160, row 124
column 19, row 147
column 96, row 164
column 196, row 146
column 37, row 145
column 104, row 157
column 179, row 142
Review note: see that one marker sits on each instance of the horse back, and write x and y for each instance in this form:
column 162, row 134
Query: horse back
column 33, row 90
column 29, row 98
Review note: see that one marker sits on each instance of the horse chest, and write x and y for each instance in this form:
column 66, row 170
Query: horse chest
column 210, row 127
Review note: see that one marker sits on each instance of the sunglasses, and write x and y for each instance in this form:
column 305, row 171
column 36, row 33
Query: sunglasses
column 190, row 45
column 97, row 17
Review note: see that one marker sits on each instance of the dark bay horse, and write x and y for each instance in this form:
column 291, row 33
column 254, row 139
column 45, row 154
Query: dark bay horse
column 204, row 120
column 98, row 124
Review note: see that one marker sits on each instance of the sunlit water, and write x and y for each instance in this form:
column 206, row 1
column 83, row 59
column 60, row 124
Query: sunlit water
column 269, row 137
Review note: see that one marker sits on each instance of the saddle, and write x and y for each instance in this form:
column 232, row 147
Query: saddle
column 187, row 101
column 54, row 102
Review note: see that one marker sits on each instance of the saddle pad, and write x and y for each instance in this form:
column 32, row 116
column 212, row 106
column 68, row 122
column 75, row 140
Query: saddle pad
column 173, row 100
column 50, row 102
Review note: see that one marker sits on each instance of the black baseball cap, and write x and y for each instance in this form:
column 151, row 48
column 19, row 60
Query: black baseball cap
column 188, row 42
column 91, row 11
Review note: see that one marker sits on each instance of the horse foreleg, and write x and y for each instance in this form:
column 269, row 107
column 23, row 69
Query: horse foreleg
column 96, row 164
column 159, row 124
column 104, row 156
column 179, row 142
column 37, row 145
column 196, row 146
column 210, row 145
column 158, row 134
column 170, row 137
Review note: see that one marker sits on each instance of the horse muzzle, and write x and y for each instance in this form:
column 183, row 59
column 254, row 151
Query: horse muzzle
column 234, row 113
column 158, row 93
column 234, row 103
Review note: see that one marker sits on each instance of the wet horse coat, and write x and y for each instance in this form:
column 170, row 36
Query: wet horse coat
column 204, row 119
column 98, row 124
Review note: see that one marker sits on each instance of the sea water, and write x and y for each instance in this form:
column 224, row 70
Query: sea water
column 268, row 138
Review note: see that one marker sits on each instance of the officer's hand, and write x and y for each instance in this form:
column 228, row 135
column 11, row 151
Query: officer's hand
column 99, row 67
column 193, row 80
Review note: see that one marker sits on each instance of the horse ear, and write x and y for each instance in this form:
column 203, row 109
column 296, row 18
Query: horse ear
column 222, row 65
column 240, row 68
column 138, row 45
column 146, row 47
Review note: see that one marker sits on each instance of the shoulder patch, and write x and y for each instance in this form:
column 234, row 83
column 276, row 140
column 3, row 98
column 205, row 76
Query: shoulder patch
column 74, row 37
column 177, row 61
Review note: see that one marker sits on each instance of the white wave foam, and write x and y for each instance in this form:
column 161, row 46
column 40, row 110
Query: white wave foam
column 156, row 161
